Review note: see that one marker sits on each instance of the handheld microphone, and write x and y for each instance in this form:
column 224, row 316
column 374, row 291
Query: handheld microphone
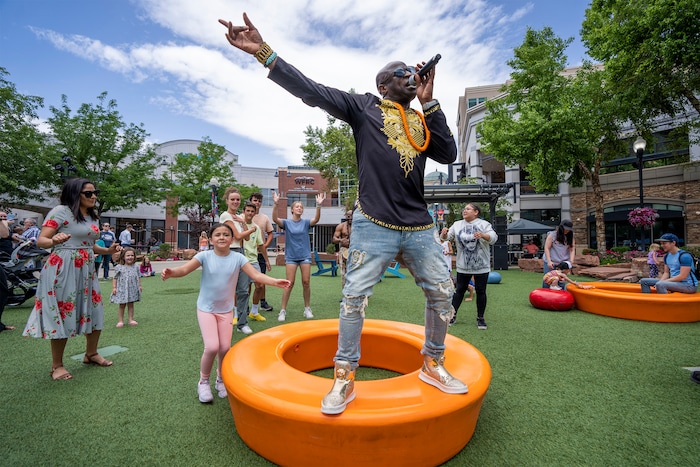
column 426, row 68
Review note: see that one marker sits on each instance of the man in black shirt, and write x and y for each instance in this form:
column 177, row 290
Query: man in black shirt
column 392, row 143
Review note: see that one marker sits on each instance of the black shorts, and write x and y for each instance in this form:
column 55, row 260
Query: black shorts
column 262, row 263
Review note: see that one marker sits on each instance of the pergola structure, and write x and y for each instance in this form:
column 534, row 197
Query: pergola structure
column 486, row 193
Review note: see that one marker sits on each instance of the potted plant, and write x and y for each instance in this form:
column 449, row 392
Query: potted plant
column 642, row 217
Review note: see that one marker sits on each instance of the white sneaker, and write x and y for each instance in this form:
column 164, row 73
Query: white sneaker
column 282, row 316
column 245, row 330
column 204, row 391
column 307, row 313
column 221, row 388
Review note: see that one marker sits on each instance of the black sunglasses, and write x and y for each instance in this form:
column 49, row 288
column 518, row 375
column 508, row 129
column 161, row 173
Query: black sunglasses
column 401, row 72
column 88, row 193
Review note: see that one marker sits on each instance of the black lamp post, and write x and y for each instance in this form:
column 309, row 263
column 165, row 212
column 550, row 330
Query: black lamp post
column 639, row 146
column 214, row 184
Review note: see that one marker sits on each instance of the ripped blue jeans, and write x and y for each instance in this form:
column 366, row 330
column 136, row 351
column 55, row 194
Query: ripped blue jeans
column 372, row 249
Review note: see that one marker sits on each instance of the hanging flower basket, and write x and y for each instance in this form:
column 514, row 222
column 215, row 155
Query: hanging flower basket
column 642, row 217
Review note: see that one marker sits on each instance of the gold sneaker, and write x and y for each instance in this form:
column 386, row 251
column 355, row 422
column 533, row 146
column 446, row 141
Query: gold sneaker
column 342, row 392
column 434, row 373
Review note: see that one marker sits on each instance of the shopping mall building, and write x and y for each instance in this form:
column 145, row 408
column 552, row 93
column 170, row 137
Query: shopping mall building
column 670, row 177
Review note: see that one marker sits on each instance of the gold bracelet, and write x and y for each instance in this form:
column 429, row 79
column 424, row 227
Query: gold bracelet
column 263, row 53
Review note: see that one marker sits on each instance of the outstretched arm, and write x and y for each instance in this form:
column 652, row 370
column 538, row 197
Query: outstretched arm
column 261, row 278
column 180, row 271
column 577, row 284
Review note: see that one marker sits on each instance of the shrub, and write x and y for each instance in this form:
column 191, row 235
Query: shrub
column 330, row 248
column 618, row 255
column 694, row 250
column 164, row 251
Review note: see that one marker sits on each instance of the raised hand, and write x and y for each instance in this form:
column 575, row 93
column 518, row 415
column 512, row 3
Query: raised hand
column 247, row 38
column 424, row 88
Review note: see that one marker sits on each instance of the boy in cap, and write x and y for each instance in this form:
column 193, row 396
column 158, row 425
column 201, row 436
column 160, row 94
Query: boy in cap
column 679, row 274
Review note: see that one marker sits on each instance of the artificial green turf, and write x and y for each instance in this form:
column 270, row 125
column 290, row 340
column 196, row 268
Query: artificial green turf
column 568, row 388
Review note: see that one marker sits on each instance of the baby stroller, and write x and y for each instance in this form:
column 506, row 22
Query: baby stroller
column 19, row 271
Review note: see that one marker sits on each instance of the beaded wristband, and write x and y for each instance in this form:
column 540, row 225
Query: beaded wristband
column 271, row 59
column 263, row 53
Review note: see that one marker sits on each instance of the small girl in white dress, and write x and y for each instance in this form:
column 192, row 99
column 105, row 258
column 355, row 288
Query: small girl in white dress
column 126, row 286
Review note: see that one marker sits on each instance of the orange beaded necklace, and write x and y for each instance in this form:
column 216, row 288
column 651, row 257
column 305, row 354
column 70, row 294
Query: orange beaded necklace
column 408, row 131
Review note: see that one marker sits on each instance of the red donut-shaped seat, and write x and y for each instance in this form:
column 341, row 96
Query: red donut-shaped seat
column 552, row 300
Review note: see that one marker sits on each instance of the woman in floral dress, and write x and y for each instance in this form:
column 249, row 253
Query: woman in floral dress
column 68, row 300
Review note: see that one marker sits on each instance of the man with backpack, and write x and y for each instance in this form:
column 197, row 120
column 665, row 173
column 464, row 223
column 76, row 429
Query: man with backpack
column 679, row 273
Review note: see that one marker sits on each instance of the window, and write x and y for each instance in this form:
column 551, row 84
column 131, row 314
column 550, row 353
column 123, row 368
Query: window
column 474, row 101
column 307, row 199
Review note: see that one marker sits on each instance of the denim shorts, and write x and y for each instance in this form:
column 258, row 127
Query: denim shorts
column 298, row 262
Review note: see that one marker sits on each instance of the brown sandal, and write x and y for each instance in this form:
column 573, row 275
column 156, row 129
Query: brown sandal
column 60, row 373
column 96, row 359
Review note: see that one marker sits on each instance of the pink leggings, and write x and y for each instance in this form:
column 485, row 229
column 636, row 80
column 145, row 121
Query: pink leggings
column 217, row 329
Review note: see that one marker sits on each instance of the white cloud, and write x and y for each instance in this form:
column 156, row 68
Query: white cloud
column 339, row 43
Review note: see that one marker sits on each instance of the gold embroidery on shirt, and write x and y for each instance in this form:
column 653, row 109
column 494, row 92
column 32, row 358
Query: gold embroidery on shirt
column 414, row 228
column 396, row 136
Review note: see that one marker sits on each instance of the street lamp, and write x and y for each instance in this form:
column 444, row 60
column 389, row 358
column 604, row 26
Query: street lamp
column 66, row 169
column 214, row 184
column 639, row 146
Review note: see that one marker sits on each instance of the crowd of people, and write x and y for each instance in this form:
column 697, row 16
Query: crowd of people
column 389, row 223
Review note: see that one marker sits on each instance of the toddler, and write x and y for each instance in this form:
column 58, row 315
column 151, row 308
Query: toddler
column 556, row 278
column 470, row 288
column 653, row 260
column 126, row 286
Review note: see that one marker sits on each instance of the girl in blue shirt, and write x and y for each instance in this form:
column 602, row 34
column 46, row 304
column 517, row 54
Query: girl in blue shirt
column 217, row 290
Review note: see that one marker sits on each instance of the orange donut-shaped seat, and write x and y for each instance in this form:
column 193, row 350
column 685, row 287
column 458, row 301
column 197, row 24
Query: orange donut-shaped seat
column 276, row 404
column 622, row 300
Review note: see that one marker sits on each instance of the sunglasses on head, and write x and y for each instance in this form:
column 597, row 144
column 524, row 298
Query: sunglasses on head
column 89, row 193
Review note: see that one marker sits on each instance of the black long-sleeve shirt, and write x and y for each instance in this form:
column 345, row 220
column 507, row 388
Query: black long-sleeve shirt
column 391, row 171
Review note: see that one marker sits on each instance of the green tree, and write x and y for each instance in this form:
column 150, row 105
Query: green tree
column 24, row 167
column 559, row 127
column 651, row 51
column 105, row 149
column 189, row 180
column 332, row 152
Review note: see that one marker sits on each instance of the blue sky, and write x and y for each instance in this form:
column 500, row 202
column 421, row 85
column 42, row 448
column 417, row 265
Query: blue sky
column 168, row 65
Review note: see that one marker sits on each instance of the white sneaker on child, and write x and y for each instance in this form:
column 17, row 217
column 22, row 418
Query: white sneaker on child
column 307, row 313
column 204, row 392
column 282, row 316
column 221, row 388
